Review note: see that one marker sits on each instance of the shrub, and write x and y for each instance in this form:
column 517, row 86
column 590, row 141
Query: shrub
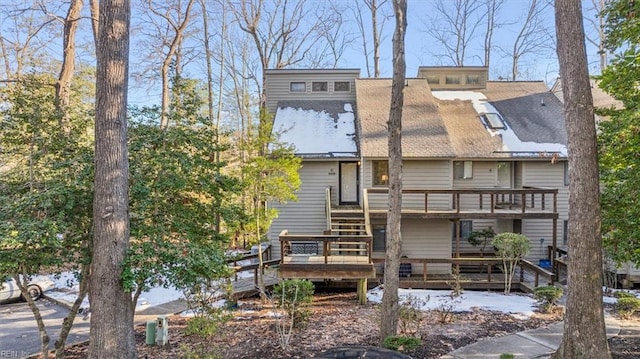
column 410, row 314
column 623, row 294
column 548, row 297
column 293, row 295
column 627, row 306
column 510, row 247
column 507, row 356
column 402, row 343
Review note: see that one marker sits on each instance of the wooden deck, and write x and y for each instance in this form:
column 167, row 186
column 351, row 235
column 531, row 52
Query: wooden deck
column 246, row 287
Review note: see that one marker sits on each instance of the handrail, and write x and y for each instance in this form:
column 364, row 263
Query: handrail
column 326, row 240
column 365, row 210
column 525, row 264
column 327, row 206
column 524, row 197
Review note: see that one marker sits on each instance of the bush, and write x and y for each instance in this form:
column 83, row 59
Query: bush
column 402, row 343
column 623, row 294
column 548, row 297
column 627, row 306
column 410, row 314
column 293, row 295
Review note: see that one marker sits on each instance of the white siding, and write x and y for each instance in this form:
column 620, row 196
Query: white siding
column 545, row 174
column 416, row 174
column 278, row 85
column 306, row 216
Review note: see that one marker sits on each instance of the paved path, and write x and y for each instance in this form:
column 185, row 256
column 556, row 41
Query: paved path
column 534, row 343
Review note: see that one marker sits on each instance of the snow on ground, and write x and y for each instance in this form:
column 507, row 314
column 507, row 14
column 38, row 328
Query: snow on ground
column 515, row 304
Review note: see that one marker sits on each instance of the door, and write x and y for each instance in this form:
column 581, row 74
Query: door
column 348, row 182
column 505, row 177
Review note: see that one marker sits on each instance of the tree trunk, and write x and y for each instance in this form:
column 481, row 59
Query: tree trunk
column 584, row 328
column 21, row 281
column 67, row 323
column 389, row 317
column 111, row 333
column 376, row 38
column 63, row 85
column 94, row 7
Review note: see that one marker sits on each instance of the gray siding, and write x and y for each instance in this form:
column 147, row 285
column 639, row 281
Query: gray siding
column 277, row 85
column 416, row 174
column 425, row 239
column 545, row 174
column 306, row 216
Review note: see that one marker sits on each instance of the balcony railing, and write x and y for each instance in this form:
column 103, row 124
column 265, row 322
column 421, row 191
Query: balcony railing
column 489, row 200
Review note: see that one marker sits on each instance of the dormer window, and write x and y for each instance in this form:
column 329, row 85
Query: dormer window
column 473, row 79
column 493, row 121
column 297, row 87
column 452, row 80
column 319, row 86
column 341, row 86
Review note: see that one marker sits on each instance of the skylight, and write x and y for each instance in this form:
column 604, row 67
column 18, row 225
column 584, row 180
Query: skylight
column 493, row 121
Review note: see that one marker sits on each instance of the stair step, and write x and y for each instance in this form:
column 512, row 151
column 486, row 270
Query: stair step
column 347, row 225
column 350, row 231
column 343, row 219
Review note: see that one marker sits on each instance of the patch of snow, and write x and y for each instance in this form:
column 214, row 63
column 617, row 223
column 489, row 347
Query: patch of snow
column 514, row 304
column 510, row 141
column 315, row 132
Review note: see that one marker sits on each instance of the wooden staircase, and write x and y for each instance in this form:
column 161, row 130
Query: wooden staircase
column 352, row 225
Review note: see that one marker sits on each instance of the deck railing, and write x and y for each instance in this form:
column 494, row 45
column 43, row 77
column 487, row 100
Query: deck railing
column 327, row 207
column 526, row 268
column 255, row 267
column 325, row 240
column 490, row 199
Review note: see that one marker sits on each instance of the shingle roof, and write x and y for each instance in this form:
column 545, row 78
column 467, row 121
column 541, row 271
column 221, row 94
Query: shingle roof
column 424, row 133
column 468, row 135
column 317, row 129
column 532, row 111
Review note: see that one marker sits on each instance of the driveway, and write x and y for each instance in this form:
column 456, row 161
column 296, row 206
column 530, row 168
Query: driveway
column 19, row 332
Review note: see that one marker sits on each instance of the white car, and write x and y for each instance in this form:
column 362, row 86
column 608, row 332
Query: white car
column 36, row 286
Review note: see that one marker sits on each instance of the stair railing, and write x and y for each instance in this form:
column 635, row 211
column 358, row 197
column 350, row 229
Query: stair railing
column 327, row 206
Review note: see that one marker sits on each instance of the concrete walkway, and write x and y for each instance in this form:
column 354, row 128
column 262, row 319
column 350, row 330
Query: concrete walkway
column 534, row 343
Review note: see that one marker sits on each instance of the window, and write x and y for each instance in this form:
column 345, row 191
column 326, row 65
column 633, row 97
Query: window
column 473, row 79
column 462, row 169
column 565, row 232
column 297, row 86
column 433, row 80
column 466, row 227
column 379, row 232
column 452, row 80
column 341, row 86
column 319, row 86
column 566, row 173
column 493, row 121
column 380, row 173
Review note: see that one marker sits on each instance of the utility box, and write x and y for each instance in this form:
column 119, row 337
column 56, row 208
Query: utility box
column 162, row 330
column 150, row 338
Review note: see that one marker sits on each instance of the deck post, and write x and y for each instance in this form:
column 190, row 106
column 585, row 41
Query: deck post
column 554, row 243
column 362, row 290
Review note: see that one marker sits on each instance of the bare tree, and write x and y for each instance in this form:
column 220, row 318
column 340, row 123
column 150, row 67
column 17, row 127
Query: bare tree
column 377, row 12
column 493, row 9
column 284, row 34
column 24, row 36
column 337, row 37
column 453, row 26
column 390, row 310
column 171, row 29
column 532, row 37
column 112, row 334
column 597, row 34
column 63, row 85
column 584, row 327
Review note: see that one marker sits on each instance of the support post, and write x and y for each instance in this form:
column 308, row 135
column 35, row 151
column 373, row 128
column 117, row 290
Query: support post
column 362, row 290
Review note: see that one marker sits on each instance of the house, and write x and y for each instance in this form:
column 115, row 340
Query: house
column 477, row 154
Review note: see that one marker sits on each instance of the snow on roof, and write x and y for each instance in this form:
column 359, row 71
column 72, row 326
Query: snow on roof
column 510, row 141
column 314, row 131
